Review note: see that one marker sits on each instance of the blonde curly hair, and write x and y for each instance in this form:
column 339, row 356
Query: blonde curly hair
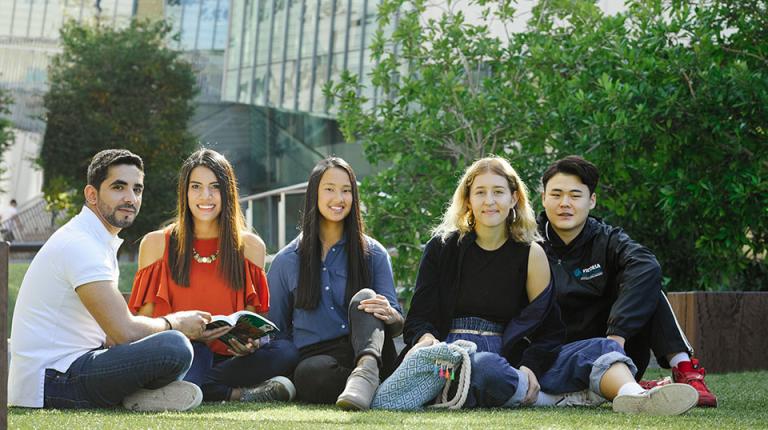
column 458, row 216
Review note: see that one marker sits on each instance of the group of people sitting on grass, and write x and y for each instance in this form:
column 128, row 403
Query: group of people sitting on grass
column 563, row 308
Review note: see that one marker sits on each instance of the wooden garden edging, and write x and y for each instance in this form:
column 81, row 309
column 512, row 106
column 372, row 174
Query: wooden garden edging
column 726, row 329
column 4, row 255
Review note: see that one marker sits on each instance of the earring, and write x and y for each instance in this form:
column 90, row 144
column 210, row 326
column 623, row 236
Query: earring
column 471, row 219
column 514, row 215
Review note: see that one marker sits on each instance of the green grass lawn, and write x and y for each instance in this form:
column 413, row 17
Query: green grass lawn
column 743, row 399
column 743, row 405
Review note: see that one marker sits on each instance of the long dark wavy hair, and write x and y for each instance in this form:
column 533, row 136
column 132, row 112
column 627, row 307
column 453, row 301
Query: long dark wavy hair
column 310, row 247
column 231, row 222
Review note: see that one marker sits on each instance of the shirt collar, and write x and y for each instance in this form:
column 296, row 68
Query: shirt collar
column 341, row 241
column 93, row 223
column 584, row 235
column 552, row 237
column 297, row 241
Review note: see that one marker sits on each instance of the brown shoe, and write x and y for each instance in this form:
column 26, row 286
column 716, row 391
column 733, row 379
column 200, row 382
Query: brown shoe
column 361, row 386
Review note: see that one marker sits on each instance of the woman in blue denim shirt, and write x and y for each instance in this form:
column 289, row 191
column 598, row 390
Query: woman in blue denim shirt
column 483, row 278
column 333, row 294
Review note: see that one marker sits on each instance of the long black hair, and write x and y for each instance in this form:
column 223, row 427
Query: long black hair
column 310, row 247
column 231, row 222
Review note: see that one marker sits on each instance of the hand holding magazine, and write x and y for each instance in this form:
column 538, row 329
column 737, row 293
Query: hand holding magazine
column 245, row 325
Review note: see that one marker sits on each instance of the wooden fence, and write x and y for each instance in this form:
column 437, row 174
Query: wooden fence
column 726, row 329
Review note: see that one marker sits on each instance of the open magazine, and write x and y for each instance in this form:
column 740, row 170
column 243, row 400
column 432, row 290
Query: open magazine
column 247, row 325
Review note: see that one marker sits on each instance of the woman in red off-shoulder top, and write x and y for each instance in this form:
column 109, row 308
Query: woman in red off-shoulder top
column 207, row 260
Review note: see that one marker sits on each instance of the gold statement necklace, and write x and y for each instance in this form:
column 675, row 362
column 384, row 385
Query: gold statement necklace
column 205, row 260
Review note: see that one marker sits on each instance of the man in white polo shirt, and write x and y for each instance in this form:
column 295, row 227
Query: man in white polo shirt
column 69, row 311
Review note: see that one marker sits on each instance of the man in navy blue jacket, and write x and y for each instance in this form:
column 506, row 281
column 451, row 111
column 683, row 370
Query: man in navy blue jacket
column 607, row 284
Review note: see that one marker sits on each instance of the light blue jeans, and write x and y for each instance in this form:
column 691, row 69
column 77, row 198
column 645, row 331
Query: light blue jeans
column 495, row 383
column 103, row 377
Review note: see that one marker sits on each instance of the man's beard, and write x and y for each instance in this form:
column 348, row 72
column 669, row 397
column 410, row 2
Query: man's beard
column 112, row 217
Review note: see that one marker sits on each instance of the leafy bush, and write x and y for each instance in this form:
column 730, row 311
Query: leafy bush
column 667, row 98
column 117, row 88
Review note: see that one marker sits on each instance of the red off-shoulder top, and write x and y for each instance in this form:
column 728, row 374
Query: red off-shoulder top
column 207, row 291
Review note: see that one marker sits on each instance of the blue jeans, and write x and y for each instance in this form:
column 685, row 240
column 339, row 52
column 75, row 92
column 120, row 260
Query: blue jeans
column 495, row 383
column 103, row 377
column 216, row 374
column 582, row 364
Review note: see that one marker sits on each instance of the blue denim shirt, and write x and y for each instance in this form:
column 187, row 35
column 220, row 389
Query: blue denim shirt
column 329, row 320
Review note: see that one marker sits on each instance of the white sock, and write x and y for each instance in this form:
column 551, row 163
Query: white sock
column 679, row 358
column 545, row 399
column 630, row 388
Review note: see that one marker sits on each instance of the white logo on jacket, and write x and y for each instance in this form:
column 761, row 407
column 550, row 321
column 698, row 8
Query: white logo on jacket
column 588, row 273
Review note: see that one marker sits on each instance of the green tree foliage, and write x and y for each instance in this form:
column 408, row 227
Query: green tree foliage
column 117, row 88
column 667, row 98
column 453, row 94
column 6, row 126
column 670, row 101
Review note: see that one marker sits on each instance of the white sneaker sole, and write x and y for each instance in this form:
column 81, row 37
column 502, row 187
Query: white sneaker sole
column 285, row 382
column 176, row 396
column 670, row 399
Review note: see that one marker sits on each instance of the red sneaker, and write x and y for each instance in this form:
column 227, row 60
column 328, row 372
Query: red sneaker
column 689, row 372
column 647, row 385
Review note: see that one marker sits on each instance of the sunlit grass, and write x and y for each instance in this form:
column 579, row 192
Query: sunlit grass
column 742, row 397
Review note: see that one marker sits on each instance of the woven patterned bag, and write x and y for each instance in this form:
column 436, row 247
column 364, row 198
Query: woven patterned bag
column 422, row 376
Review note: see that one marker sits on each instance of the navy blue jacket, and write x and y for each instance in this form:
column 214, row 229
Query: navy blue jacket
column 532, row 339
column 607, row 284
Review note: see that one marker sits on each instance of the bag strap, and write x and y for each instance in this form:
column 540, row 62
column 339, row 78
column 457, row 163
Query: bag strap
column 464, row 348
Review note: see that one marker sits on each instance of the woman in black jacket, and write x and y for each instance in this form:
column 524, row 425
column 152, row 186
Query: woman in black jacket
column 483, row 278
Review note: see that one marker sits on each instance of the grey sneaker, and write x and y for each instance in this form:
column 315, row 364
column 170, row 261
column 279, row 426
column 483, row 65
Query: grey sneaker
column 581, row 398
column 176, row 396
column 670, row 399
column 361, row 386
column 277, row 389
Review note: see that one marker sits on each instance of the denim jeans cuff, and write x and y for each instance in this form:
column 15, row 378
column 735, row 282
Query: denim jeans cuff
column 520, row 391
column 601, row 365
column 184, row 372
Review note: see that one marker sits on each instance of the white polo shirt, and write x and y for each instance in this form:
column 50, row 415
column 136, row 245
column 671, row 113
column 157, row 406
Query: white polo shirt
column 51, row 327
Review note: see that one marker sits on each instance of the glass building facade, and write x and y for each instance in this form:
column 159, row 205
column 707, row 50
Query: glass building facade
column 202, row 24
column 200, row 27
column 272, row 149
column 29, row 33
column 282, row 52
column 274, row 122
column 29, row 38
column 260, row 64
column 41, row 19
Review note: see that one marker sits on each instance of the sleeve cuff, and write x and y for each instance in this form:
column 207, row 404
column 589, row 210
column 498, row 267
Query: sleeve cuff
column 616, row 331
column 394, row 330
column 420, row 334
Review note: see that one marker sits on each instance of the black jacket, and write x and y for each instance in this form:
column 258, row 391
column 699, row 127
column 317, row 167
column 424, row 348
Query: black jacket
column 533, row 339
column 606, row 283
